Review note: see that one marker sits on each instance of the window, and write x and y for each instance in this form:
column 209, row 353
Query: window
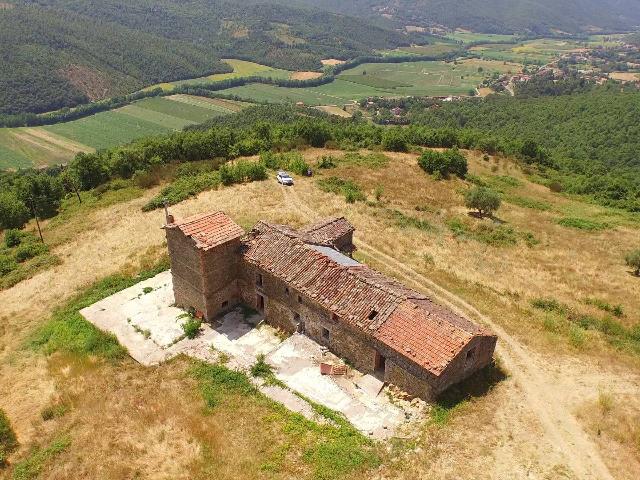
column 286, row 290
column 373, row 314
column 299, row 298
column 259, row 280
column 225, row 304
column 470, row 355
column 334, row 317
column 325, row 333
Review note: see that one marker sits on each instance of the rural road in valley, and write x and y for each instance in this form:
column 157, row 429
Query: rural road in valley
column 560, row 426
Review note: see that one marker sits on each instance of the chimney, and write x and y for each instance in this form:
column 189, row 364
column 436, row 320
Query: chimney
column 168, row 217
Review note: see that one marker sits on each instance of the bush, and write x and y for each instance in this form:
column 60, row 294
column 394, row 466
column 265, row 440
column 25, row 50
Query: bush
column 482, row 199
column 633, row 260
column 326, row 162
column 30, row 250
column 8, row 440
column 444, row 164
column 395, row 140
column 12, row 238
column 192, row 327
column 13, row 211
column 7, row 265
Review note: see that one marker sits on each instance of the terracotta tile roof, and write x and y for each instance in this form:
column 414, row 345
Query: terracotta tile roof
column 327, row 231
column 423, row 336
column 210, row 229
column 403, row 319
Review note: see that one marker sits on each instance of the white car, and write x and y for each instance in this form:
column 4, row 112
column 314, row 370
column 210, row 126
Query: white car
column 284, row 178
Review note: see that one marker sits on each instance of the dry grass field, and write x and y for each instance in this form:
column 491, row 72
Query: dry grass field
column 569, row 407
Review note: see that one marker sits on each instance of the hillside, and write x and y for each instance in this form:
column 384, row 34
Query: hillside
column 496, row 16
column 59, row 53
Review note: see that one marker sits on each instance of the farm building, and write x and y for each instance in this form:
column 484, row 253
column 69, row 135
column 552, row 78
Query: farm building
column 305, row 281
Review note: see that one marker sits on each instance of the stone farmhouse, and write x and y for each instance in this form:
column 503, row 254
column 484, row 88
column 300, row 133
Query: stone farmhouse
column 305, row 281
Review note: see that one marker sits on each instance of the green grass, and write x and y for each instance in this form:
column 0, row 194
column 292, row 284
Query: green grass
column 68, row 331
column 331, row 450
column 181, row 110
column 241, row 69
column 583, row 224
column 8, row 439
column 31, row 467
column 470, row 37
column 351, row 190
column 106, row 129
column 373, row 81
column 531, row 203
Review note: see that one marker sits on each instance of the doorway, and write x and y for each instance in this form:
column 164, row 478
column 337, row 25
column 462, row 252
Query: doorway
column 260, row 303
column 380, row 365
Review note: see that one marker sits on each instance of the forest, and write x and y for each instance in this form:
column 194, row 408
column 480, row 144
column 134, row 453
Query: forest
column 61, row 53
column 496, row 16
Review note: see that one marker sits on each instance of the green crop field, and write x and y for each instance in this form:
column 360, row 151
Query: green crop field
column 382, row 79
column 25, row 147
column 470, row 37
column 432, row 49
column 533, row 51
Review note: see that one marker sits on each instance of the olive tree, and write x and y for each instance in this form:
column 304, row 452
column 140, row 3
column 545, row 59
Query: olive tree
column 483, row 199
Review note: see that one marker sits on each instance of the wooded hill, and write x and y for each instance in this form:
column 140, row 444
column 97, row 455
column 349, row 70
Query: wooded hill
column 58, row 53
column 496, row 16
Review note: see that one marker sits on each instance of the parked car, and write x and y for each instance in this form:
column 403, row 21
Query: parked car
column 284, row 178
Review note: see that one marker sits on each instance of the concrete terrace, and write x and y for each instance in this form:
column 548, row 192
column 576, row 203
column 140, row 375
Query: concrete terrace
column 150, row 327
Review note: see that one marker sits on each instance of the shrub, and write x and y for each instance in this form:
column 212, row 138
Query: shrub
column 30, row 250
column 497, row 236
column 145, row 179
column 13, row 211
column 12, row 238
column 326, row 162
column 633, row 260
column 183, row 188
column 443, row 164
column 548, row 305
column 395, row 140
column 482, row 199
column 192, row 327
column 8, row 440
column 556, row 187
column 7, row 264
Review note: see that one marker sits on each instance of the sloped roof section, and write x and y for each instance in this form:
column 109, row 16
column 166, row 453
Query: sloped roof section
column 327, row 231
column 405, row 320
column 209, row 230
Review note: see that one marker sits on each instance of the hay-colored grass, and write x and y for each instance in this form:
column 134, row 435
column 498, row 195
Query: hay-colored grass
column 127, row 419
column 304, row 75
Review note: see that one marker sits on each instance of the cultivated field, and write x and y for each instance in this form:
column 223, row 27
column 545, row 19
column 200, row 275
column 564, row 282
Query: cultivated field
column 470, row 37
column 569, row 407
column 538, row 51
column 383, row 79
column 54, row 144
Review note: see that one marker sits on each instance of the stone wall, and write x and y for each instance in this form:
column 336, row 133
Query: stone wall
column 186, row 270
column 408, row 382
column 477, row 355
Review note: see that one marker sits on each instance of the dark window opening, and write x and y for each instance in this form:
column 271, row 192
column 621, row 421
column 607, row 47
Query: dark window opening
column 334, row 317
column 373, row 314
column 297, row 320
column 259, row 280
column 470, row 354
column 286, row 290
column 325, row 333
column 299, row 299
column 225, row 304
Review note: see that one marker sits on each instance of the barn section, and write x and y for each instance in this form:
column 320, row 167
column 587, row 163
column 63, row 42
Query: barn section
column 306, row 282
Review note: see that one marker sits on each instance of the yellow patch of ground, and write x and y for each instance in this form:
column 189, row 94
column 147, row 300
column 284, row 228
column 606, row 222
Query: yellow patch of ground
column 332, row 61
column 304, row 75
column 334, row 110
column 625, row 76
column 485, row 91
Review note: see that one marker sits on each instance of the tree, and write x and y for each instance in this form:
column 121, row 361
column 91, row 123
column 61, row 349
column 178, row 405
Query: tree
column 395, row 140
column 13, row 211
column 482, row 199
column 444, row 164
column 90, row 169
column 633, row 261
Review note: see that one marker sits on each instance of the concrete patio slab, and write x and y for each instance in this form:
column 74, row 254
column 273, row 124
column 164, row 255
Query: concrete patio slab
column 145, row 321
